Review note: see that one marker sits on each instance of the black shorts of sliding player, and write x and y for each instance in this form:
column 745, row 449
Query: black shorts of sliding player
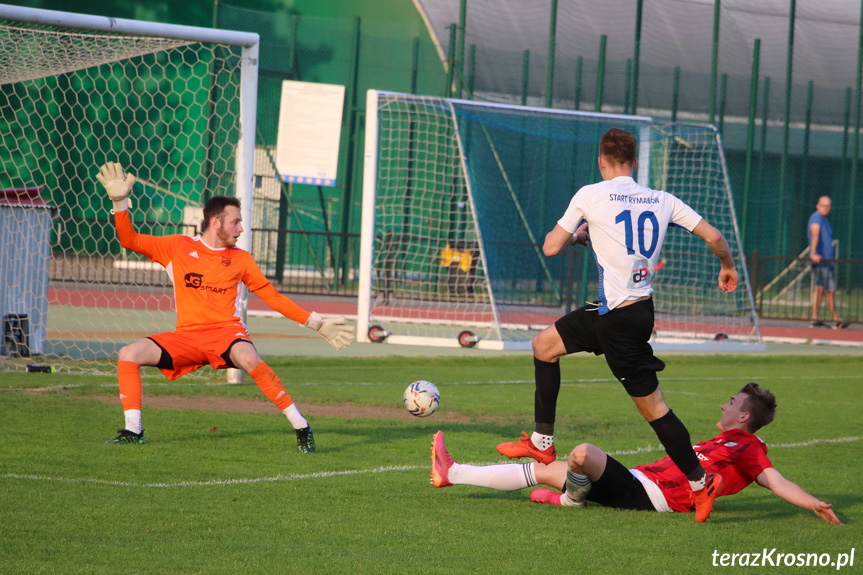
column 618, row 488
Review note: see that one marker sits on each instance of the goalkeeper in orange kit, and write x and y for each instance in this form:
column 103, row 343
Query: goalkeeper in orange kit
column 206, row 272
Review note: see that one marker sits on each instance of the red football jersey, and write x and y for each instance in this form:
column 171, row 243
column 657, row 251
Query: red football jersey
column 739, row 457
column 206, row 280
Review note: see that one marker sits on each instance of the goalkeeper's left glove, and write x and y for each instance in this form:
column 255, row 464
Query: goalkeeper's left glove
column 117, row 183
column 334, row 329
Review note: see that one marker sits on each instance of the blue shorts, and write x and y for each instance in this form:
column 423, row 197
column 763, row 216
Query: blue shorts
column 822, row 274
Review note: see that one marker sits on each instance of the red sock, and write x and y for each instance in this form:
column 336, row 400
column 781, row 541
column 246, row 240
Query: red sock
column 129, row 378
column 271, row 385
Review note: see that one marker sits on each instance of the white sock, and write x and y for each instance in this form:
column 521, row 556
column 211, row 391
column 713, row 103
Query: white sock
column 542, row 441
column 698, row 485
column 133, row 420
column 577, row 488
column 294, row 416
column 565, row 499
column 503, row 477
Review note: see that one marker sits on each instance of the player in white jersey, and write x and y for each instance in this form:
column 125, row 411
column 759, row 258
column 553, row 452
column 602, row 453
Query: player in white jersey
column 626, row 224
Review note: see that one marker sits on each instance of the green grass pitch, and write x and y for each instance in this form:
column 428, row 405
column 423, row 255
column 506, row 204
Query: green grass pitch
column 217, row 492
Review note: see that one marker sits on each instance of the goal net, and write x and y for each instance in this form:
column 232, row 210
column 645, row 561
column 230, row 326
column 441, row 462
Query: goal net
column 167, row 102
column 458, row 197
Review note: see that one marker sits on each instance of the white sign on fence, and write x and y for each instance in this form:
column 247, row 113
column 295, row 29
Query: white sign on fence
column 310, row 125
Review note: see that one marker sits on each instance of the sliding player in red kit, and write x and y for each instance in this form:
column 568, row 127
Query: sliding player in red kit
column 206, row 272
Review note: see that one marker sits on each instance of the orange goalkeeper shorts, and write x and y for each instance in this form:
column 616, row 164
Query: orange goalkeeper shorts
column 185, row 351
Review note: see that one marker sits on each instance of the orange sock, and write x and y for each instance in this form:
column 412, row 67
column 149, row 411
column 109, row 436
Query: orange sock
column 129, row 378
column 271, row 385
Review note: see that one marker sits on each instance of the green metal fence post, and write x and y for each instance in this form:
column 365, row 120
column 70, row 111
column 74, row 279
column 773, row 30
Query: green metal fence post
column 342, row 256
column 723, row 93
column 600, row 77
column 552, row 40
column 549, row 98
column 855, row 155
column 714, row 63
column 675, row 93
column 846, row 123
column 636, row 55
column 462, row 20
column 579, row 67
column 765, row 105
column 282, row 234
column 627, row 86
column 415, row 64
column 450, row 70
column 750, row 137
column 525, row 86
column 846, row 127
column 781, row 226
column 471, row 70
column 600, row 72
column 807, row 131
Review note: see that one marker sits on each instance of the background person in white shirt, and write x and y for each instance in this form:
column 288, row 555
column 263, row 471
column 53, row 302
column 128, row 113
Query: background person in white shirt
column 626, row 224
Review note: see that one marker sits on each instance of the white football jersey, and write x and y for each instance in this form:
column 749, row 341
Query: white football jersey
column 627, row 223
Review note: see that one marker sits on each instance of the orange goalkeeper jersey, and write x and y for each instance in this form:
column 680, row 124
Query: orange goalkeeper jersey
column 206, row 280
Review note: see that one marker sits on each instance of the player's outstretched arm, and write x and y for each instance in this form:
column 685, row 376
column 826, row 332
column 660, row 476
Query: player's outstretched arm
column 794, row 494
column 334, row 329
column 728, row 278
column 117, row 184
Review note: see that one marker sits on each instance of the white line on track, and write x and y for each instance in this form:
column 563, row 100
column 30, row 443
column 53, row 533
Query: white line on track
column 326, row 474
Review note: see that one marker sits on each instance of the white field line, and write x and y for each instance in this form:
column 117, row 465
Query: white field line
column 761, row 378
column 372, row 471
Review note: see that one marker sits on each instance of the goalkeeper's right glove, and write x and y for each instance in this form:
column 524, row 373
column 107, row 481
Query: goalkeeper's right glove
column 334, row 329
column 117, row 183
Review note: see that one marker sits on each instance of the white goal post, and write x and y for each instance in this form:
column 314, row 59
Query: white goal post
column 175, row 104
column 457, row 199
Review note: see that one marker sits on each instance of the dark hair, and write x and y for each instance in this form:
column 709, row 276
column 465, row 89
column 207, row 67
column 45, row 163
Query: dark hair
column 760, row 404
column 618, row 146
column 215, row 208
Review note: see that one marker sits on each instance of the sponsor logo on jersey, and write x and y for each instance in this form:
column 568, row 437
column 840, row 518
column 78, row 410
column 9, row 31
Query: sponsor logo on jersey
column 226, row 261
column 640, row 273
column 194, row 254
column 193, row 280
column 196, row 281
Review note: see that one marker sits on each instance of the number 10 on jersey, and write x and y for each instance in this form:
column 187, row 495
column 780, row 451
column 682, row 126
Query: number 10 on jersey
column 625, row 218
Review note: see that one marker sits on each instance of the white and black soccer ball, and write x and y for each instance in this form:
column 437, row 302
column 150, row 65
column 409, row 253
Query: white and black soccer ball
column 422, row 398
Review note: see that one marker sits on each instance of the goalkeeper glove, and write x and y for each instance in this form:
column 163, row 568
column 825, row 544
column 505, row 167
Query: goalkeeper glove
column 117, row 183
column 334, row 329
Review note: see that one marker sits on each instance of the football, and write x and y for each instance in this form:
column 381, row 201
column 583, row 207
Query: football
column 422, row 398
